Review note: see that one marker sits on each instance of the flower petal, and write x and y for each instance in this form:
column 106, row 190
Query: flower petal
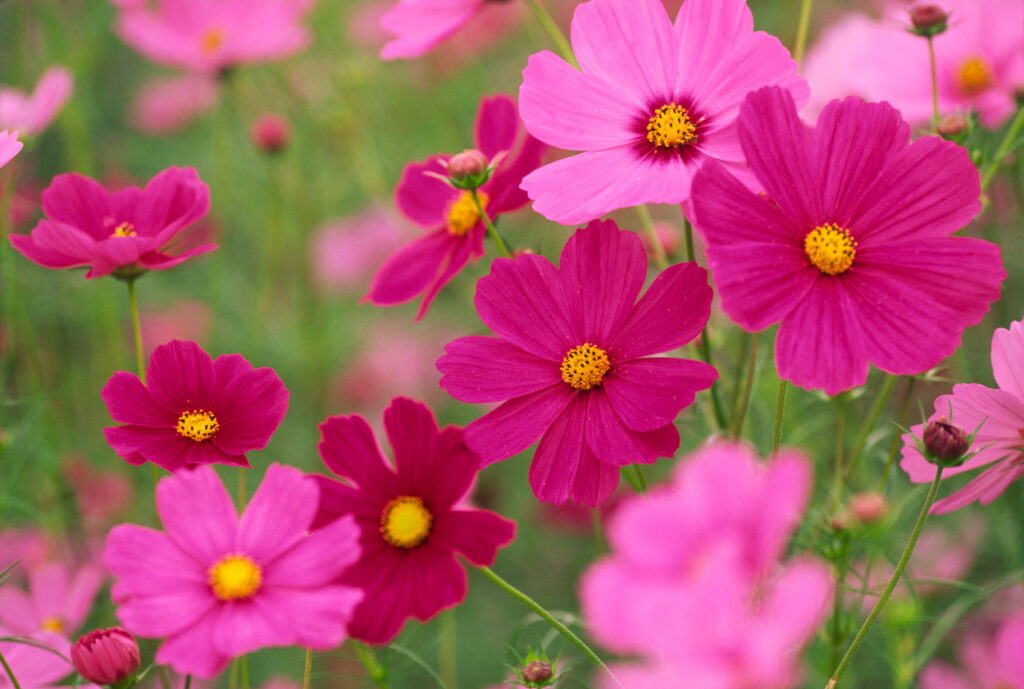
column 181, row 376
column 279, row 514
column 610, row 440
column 139, row 444
column 250, row 405
column 477, row 534
column 197, row 513
column 647, row 394
column 411, row 269
column 318, row 558
column 350, row 451
column 128, row 401
column 516, row 424
column 497, row 125
column 985, row 488
column 78, row 201
column 1008, row 358
column 193, row 651
column 489, row 369
column 422, row 198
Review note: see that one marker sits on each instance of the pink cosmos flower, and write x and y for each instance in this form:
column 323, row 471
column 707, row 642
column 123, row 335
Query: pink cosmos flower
column 410, row 513
column 31, row 114
column 1000, row 415
column 31, row 546
column 850, row 248
column 693, row 584
column 193, row 409
column 573, row 358
column 165, row 106
column 34, row 667
column 212, row 35
column 653, row 102
column 215, row 586
column 420, row 25
column 989, row 661
column 979, row 61
column 9, row 146
column 425, row 265
column 124, row 232
column 343, row 253
column 58, row 600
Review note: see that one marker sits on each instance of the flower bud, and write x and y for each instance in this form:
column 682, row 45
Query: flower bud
column 928, row 20
column 109, row 657
column 270, row 133
column 869, row 508
column 537, row 672
column 950, row 127
column 469, row 163
column 945, row 442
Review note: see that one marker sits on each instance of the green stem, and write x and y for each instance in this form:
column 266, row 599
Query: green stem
column 801, row 30
column 883, row 599
column 641, row 482
column 1003, row 150
column 837, row 608
column 491, row 229
column 862, row 437
column 705, row 353
column 780, row 405
column 896, row 440
column 164, row 679
column 10, row 672
column 188, row 681
column 549, row 25
column 598, row 531
column 447, row 649
column 657, row 250
column 935, row 84
column 307, row 669
column 140, row 365
column 837, row 467
column 378, row 672
column 741, row 412
column 547, row 617
column 738, row 377
column 244, row 664
column 241, row 488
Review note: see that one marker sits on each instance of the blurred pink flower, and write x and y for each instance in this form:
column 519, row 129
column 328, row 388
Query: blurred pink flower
column 35, row 667
column 58, row 600
column 9, row 146
column 181, row 320
column 344, row 253
column 163, row 106
column 988, row 661
column 418, row 26
column 101, row 495
column 31, row 114
column 31, row 546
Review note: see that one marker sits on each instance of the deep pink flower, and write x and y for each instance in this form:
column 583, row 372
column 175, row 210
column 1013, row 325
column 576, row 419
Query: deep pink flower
column 693, row 584
column 425, row 265
column 164, row 106
column 419, row 25
column 653, row 102
column 215, row 586
column 212, row 35
column 411, row 515
column 1000, row 415
column 31, row 114
column 122, row 232
column 58, row 599
column 573, row 360
column 989, row 661
column 850, row 247
column 193, row 409
column 9, row 146
column 106, row 656
column 34, row 667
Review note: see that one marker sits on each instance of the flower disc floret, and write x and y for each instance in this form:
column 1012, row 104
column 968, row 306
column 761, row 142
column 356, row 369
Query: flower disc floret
column 974, row 75
column 584, row 367
column 125, row 229
column 830, row 248
column 235, row 577
column 405, row 522
column 197, row 425
column 462, row 214
column 670, row 127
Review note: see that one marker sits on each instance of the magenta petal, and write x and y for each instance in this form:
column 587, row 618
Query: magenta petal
column 111, row 254
column 516, row 424
column 488, row 369
column 129, row 402
column 171, row 201
column 648, row 393
column 411, row 269
column 63, row 240
column 48, row 259
column 453, row 469
column 422, row 198
column 497, row 125
column 985, row 488
column 559, row 454
column 154, row 260
column 193, row 651
column 77, row 201
column 610, row 440
column 197, row 513
column 1007, row 355
column 456, row 261
column 338, row 499
column 181, row 372
column 413, row 433
column 477, row 534
column 278, row 515
column 349, row 450
column 247, row 626
column 319, row 558
column 250, row 406
column 420, row 25
column 317, row 618
column 138, row 444
column 506, row 195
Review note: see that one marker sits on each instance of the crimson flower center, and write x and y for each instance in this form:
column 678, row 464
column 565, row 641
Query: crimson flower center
column 462, row 215
column 125, row 229
column 974, row 75
column 405, row 522
column 585, row 366
column 830, row 248
column 235, row 577
column 670, row 127
column 198, row 425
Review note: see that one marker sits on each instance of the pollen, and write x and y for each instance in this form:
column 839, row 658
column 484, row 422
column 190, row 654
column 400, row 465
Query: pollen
column 53, row 624
column 670, row 127
column 830, row 248
column 584, row 366
column 405, row 522
column 235, row 577
column 211, row 40
column 462, row 215
column 125, row 229
column 974, row 75
column 198, row 425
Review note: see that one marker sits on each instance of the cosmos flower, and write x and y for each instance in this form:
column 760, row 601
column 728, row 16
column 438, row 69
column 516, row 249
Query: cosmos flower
column 35, row 667
column 193, row 409
column 58, row 599
column 411, row 513
column 653, row 102
column 165, row 106
column 32, row 113
column 850, row 248
column 989, row 660
column 573, row 365
column 419, row 25
column 215, row 586
column 9, row 146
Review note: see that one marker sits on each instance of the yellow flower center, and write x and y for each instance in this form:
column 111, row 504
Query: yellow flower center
column 234, row 577
column 53, row 624
column 211, row 40
column 583, row 367
column 125, row 229
column 974, row 75
column 670, row 127
column 830, row 248
column 198, row 425
column 405, row 522
column 462, row 215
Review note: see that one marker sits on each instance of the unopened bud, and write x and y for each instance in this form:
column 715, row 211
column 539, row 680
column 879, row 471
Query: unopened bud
column 869, row 508
column 536, row 672
column 270, row 133
column 469, row 163
column 928, row 20
column 946, row 443
column 109, row 657
column 952, row 126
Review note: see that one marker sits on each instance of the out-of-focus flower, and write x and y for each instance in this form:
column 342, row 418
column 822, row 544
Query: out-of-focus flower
column 410, row 513
column 270, row 133
column 652, row 103
column 31, row 114
column 164, row 106
column 425, row 265
column 216, row 587
column 694, row 585
column 9, row 146
column 853, row 257
column 988, row 660
column 344, row 253
column 419, row 25
column 101, row 495
column 58, row 599
column 34, row 667
column 106, row 656
column 997, row 415
column 180, row 320
column 193, row 409
column 573, row 362
column 31, row 546
column 122, row 232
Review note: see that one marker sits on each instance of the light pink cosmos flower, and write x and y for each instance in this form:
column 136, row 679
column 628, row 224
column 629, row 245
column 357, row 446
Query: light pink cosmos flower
column 343, row 253
column 988, row 661
column 9, row 146
column 694, row 585
column 1000, row 415
column 31, row 114
column 850, row 248
column 417, row 26
column 212, row 35
column 123, row 232
column 653, row 102
column 979, row 61
column 164, row 106
column 58, row 600
column 425, row 265
column 34, row 667
column 216, row 587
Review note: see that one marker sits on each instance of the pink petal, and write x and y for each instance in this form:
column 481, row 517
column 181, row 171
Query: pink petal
column 17, row 610
column 78, row 201
column 420, row 25
column 170, row 202
column 350, row 451
column 193, row 651
column 154, row 260
column 412, row 268
column 1008, row 358
column 413, row 433
column 450, row 475
column 338, row 499
column 197, row 513
column 939, row 675
column 497, row 125
column 24, row 244
column 647, row 394
column 610, row 440
column 318, row 617
column 81, row 594
column 111, row 254
column 181, row 376
column 476, row 534
column 562, row 454
column 251, row 404
column 64, row 240
column 422, row 198
column 506, row 195
column 139, row 444
column 985, row 488
column 489, row 369
column 129, row 401
column 279, row 514
column 1008, row 645
column 456, row 261
column 318, row 558
column 516, row 424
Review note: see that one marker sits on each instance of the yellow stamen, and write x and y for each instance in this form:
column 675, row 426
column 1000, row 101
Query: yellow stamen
column 234, row 577
column 198, row 425
column 125, row 229
column 53, row 624
column 462, row 215
column 211, row 40
column 974, row 75
column 583, row 367
column 670, row 127
column 405, row 522
column 830, row 248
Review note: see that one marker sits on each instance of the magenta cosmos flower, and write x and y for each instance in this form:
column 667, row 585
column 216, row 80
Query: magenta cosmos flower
column 192, row 409
column 653, row 102
column 411, row 514
column 32, row 113
column 997, row 415
column 425, row 265
column 850, row 247
column 123, row 232
column 212, row 35
column 420, row 25
column 572, row 362
column 9, row 146
column 216, row 587
column 990, row 659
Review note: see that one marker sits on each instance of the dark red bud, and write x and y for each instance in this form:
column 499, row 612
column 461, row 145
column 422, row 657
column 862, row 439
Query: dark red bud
column 537, row 671
column 945, row 441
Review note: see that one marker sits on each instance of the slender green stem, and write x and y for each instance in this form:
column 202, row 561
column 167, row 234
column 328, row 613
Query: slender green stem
column 691, row 255
column 547, row 617
column 307, row 669
column 883, row 599
column 837, row 607
column 935, row 84
column 1003, row 150
column 10, row 672
column 242, row 495
column 549, row 25
column 657, row 250
column 165, row 681
column 378, row 672
column 491, row 229
column 837, row 467
column 780, row 405
column 243, row 663
column 599, row 541
column 188, row 681
column 741, row 412
column 801, row 30
column 738, row 377
column 641, row 481
column 447, row 664
column 896, row 440
column 140, row 365
column 862, row 437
